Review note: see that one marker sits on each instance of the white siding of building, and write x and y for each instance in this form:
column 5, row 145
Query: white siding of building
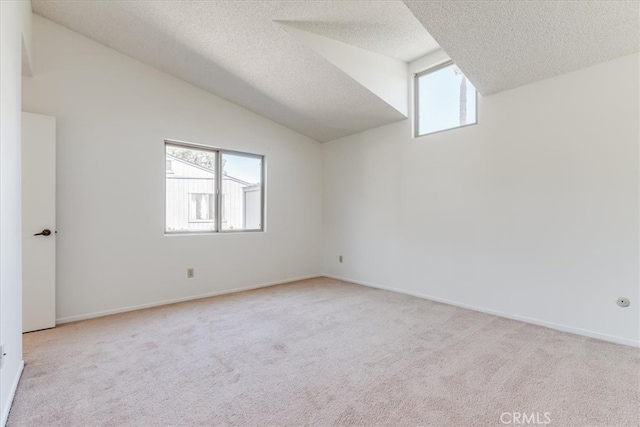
column 232, row 203
column 253, row 203
column 183, row 180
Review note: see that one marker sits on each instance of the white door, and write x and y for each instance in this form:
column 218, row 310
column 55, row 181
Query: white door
column 38, row 222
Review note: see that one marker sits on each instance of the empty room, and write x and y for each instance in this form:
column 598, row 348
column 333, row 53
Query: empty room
column 319, row 213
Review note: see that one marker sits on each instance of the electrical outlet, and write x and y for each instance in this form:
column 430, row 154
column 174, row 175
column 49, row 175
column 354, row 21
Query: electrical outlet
column 190, row 273
column 340, row 259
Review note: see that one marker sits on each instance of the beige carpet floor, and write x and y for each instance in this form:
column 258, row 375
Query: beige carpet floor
column 320, row 353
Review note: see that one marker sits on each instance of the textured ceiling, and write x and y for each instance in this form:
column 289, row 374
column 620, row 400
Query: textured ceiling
column 383, row 36
column 501, row 45
column 235, row 50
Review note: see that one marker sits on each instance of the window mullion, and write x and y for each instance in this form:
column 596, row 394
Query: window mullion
column 218, row 191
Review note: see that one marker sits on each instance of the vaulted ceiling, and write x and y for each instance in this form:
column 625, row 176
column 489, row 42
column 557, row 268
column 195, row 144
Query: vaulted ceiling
column 318, row 67
column 501, row 45
column 240, row 51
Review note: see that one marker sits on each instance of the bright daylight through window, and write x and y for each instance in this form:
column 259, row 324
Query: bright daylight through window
column 212, row 190
column 445, row 99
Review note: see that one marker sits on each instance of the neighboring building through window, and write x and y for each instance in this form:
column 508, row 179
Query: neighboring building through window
column 201, row 207
column 444, row 99
column 212, row 190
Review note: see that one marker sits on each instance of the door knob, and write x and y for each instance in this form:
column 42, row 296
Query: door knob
column 45, row 232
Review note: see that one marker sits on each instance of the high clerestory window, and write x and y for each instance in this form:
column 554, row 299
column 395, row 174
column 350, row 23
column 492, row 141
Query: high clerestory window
column 211, row 190
column 444, row 99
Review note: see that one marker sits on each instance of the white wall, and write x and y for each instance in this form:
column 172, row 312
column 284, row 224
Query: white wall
column 113, row 114
column 15, row 25
column 532, row 213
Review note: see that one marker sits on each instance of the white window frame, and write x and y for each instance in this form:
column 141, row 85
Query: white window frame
column 218, row 190
column 416, row 101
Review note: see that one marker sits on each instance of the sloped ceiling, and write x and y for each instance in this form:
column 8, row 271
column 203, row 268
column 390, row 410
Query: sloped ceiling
column 386, row 77
column 501, row 45
column 237, row 50
column 260, row 55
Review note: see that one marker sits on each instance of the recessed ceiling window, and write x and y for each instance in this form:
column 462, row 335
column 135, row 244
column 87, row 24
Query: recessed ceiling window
column 212, row 190
column 445, row 99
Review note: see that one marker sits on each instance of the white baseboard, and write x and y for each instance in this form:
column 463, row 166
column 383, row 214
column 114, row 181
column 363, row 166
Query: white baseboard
column 175, row 300
column 12, row 393
column 551, row 325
